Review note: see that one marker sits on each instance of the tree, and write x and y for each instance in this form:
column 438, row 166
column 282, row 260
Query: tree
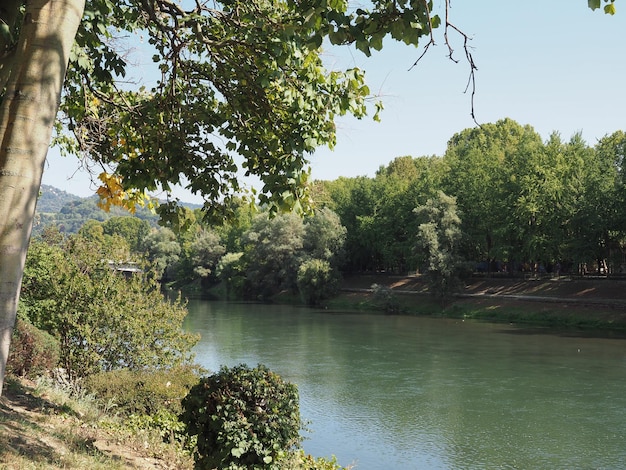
column 480, row 177
column 405, row 184
column 131, row 229
column 324, row 236
column 163, row 250
column 317, row 281
column 206, row 252
column 439, row 235
column 273, row 253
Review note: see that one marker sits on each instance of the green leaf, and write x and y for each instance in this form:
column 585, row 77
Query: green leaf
column 364, row 47
column 377, row 42
column 237, row 452
column 594, row 4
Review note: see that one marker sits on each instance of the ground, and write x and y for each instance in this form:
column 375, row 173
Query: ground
column 38, row 433
column 595, row 298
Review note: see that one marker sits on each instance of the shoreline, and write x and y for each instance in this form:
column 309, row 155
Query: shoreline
column 571, row 303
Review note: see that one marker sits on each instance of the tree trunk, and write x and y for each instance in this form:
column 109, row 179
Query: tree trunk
column 27, row 114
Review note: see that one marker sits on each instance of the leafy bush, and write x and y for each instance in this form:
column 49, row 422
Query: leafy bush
column 103, row 320
column 303, row 461
column 316, row 281
column 164, row 422
column 143, row 392
column 33, row 352
column 243, row 418
column 385, row 298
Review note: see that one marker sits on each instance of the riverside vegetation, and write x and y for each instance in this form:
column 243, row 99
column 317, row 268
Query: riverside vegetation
column 122, row 363
column 109, row 362
column 104, row 330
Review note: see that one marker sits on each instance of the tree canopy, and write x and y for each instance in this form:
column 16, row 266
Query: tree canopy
column 239, row 85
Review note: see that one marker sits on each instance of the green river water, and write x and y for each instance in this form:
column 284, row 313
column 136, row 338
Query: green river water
column 395, row 392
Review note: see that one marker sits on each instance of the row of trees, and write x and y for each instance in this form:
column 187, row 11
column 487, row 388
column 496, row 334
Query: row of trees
column 521, row 201
column 253, row 256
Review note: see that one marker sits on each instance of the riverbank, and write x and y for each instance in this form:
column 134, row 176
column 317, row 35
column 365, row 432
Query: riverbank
column 43, row 427
column 588, row 303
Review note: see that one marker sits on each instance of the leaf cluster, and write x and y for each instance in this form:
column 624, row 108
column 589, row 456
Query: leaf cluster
column 609, row 8
column 103, row 320
column 243, row 418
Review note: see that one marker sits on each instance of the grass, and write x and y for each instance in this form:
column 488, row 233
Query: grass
column 43, row 427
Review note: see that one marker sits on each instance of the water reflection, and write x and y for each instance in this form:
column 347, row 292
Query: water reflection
column 404, row 392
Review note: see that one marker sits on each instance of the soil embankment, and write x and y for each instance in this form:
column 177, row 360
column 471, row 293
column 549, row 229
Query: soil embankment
column 600, row 299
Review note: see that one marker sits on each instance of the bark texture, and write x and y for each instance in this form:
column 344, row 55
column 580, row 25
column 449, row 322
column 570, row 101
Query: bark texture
column 27, row 113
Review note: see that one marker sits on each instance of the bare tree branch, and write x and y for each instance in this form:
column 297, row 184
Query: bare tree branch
column 471, row 82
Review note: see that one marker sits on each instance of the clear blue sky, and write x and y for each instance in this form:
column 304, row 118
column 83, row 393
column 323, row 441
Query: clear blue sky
column 554, row 65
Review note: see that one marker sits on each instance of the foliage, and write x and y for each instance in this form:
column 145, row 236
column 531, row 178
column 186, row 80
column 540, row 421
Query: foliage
column 163, row 250
column 273, row 253
column 230, row 271
column 316, row 281
column 103, row 320
column 609, row 8
column 440, row 236
column 162, row 421
column 206, row 252
column 385, row 299
column 243, row 418
column 377, row 212
column 301, row 461
column 525, row 202
column 276, row 248
column 131, row 229
column 33, row 352
column 247, row 74
column 324, row 236
column 143, row 392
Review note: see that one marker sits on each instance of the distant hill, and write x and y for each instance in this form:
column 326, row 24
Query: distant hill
column 69, row 212
column 52, row 199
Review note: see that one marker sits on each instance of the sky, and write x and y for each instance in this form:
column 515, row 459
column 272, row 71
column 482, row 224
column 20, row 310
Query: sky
column 552, row 64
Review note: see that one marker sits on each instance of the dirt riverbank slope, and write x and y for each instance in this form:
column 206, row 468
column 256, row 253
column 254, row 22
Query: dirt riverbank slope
column 600, row 298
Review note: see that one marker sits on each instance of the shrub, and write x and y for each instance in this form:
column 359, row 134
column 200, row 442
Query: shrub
column 385, row 299
column 243, row 418
column 316, row 281
column 33, row 352
column 143, row 392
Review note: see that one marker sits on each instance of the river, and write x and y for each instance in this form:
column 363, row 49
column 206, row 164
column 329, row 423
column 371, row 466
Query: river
column 397, row 392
